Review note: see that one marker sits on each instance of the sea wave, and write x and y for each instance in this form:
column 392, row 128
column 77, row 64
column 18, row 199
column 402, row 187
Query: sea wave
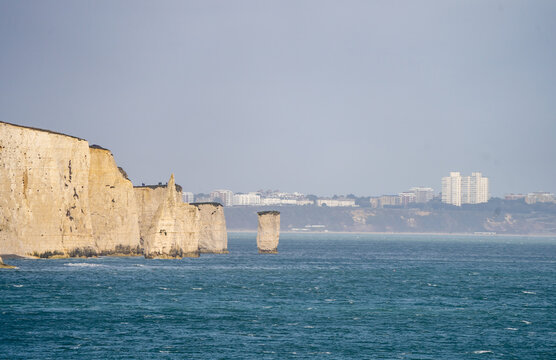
column 84, row 265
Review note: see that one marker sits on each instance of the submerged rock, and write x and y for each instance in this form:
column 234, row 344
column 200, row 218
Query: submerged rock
column 268, row 232
column 213, row 237
column 6, row 266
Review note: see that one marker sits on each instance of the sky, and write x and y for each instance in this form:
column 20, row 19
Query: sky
column 319, row 97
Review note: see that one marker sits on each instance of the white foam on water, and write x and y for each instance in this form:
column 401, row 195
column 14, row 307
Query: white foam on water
column 529, row 292
column 511, row 329
column 433, row 285
column 483, row 352
column 163, row 288
column 83, row 265
column 154, row 316
column 17, row 285
column 329, row 300
column 198, row 289
column 526, row 322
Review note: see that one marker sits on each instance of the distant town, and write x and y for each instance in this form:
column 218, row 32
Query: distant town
column 455, row 190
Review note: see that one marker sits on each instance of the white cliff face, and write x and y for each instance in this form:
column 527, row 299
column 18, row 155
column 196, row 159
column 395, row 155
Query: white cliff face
column 148, row 201
column 213, row 237
column 60, row 198
column 173, row 230
column 44, row 202
column 268, row 232
column 113, row 207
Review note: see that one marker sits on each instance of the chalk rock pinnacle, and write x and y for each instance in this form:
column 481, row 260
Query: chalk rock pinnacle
column 174, row 228
column 268, row 232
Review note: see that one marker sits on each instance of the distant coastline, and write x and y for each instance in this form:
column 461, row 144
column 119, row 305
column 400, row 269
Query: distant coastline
column 497, row 217
column 236, row 231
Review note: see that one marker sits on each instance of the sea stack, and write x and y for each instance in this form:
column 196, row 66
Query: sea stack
column 213, row 238
column 173, row 229
column 268, row 232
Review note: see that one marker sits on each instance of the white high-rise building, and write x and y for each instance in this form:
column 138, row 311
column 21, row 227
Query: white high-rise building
column 247, row 199
column 451, row 189
column 457, row 190
column 188, row 197
column 474, row 189
column 422, row 194
column 223, row 196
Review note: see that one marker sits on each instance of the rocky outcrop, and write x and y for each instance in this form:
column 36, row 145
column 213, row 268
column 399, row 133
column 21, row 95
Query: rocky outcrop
column 213, row 237
column 113, row 208
column 172, row 230
column 44, row 202
column 268, row 232
column 6, row 266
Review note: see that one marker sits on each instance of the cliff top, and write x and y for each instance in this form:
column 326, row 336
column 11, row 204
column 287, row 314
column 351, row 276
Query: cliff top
column 269, row 212
column 206, row 203
column 95, row 146
column 178, row 187
column 43, row 130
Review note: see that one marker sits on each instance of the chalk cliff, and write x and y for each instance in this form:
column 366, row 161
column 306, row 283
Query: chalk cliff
column 44, row 202
column 213, row 237
column 113, row 208
column 268, row 232
column 59, row 198
column 172, row 230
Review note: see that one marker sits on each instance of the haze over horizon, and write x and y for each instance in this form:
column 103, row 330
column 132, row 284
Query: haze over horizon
column 319, row 97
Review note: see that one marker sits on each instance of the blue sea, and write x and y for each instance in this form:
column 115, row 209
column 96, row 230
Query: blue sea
column 324, row 296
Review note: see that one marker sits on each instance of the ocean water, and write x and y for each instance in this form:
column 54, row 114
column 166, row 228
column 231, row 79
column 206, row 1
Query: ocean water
column 324, row 296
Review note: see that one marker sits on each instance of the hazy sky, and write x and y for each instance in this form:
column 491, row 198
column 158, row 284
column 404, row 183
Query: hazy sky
column 324, row 97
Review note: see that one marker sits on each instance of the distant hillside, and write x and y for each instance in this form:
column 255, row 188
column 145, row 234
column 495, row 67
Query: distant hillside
column 500, row 216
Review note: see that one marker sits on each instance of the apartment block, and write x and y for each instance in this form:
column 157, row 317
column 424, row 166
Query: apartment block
column 457, row 189
column 225, row 197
